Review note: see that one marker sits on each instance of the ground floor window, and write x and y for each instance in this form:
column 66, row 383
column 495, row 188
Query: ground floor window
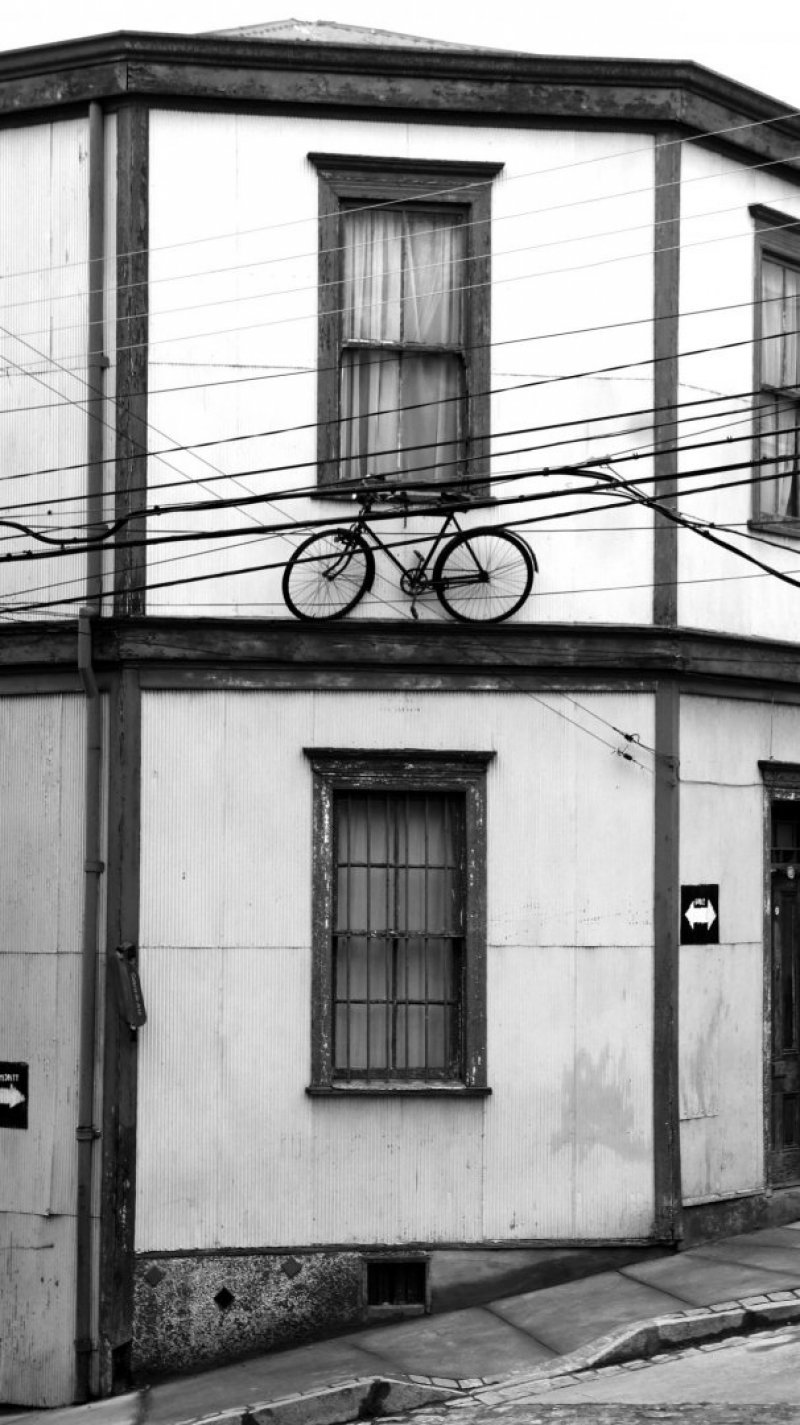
column 399, row 921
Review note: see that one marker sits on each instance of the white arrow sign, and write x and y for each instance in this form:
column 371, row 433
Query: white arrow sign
column 701, row 912
column 11, row 1097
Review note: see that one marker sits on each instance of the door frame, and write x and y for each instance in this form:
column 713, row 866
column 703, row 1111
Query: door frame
column 781, row 784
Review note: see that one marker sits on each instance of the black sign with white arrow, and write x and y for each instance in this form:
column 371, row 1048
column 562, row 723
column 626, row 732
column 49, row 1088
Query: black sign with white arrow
column 13, row 1095
column 699, row 915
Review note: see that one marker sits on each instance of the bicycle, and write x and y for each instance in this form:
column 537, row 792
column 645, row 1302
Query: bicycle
column 480, row 575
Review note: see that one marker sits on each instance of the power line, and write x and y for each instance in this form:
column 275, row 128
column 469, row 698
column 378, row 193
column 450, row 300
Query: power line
column 450, row 291
column 291, row 370
column 492, row 391
column 464, row 261
column 581, row 420
column 470, row 224
column 592, row 468
column 445, row 191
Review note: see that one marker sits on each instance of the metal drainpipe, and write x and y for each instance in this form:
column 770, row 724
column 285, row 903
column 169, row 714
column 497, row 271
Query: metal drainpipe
column 93, row 867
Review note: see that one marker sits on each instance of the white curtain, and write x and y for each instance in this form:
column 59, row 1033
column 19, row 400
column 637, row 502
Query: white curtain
column 779, row 439
column 780, row 368
column 403, row 280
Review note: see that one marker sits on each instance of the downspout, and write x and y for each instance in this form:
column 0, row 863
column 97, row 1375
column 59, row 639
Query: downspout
column 93, row 867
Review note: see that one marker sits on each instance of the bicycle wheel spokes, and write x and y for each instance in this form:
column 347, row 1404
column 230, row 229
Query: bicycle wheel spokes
column 484, row 575
column 327, row 575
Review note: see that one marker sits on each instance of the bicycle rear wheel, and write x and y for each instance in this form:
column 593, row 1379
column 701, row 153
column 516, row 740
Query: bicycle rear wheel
column 484, row 575
column 328, row 574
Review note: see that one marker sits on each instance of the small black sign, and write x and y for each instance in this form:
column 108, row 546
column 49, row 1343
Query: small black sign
column 699, row 915
column 13, row 1095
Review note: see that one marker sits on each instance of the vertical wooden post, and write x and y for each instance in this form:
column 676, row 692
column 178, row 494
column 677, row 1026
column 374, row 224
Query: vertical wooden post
column 666, row 296
column 132, row 354
column 666, row 306
column 120, row 1066
column 666, row 950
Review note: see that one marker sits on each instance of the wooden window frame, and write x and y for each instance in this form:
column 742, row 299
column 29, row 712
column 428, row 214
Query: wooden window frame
column 336, row 770
column 777, row 237
column 346, row 179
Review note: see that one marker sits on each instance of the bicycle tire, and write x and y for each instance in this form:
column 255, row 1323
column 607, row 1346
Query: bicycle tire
column 327, row 575
column 484, row 575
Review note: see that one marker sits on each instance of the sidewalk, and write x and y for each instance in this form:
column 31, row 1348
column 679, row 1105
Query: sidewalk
column 736, row 1284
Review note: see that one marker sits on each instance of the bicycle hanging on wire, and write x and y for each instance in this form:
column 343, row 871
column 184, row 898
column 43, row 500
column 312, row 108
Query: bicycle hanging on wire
column 479, row 575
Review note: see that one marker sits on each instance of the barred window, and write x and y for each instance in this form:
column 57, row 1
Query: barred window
column 399, row 921
column 398, row 934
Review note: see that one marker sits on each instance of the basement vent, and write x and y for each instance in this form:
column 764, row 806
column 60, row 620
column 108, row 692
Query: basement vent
column 397, row 1287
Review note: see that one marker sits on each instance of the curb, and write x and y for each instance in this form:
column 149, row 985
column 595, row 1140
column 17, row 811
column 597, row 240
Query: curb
column 660, row 1335
column 367, row 1398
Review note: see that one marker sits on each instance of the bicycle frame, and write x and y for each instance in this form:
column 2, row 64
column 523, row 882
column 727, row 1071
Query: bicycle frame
column 362, row 526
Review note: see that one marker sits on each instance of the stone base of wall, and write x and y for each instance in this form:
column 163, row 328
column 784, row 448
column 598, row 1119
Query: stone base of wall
column 205, row 1310
column 708, row 1221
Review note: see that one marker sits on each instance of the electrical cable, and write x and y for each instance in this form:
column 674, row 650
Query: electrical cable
column 493, row 220
column 445, row 191
column 291, row 370
column 493, row 283
column 464, row 261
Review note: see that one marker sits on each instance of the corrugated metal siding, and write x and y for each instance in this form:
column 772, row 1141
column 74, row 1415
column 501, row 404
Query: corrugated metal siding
column 44, row 200
column 41, row 851
column 234, row 328
column 232, row 1152
column 41, row 888
column 721, row 987
column 37, row 1258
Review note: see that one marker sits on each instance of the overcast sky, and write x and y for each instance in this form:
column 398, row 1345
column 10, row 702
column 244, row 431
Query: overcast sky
column 721, row 34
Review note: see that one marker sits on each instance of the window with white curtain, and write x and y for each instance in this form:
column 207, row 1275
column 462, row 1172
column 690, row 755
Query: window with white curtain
column 399, row 916
column 405, row 329
column 778, row 366
column 403, row 388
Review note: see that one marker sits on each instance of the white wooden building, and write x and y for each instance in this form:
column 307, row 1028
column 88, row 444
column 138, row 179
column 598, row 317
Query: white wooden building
column 449, row 935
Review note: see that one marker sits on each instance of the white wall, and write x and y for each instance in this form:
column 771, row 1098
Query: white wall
column 231, row 1151
column 44, row 379
column 41, row 889
column 233, row 300
column 719, row 590
column 722, row 991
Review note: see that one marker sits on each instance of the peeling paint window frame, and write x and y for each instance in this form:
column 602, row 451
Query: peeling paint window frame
column 777, row 241
column 347, row 180
column 333, row 771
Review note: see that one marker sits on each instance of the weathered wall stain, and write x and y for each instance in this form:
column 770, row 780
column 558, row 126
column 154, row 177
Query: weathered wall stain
column 598, row 1108
column 699, row 1080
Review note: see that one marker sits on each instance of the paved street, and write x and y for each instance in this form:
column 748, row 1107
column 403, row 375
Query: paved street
column 745, row 1379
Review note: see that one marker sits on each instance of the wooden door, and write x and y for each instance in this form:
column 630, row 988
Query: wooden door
column 784, row 1154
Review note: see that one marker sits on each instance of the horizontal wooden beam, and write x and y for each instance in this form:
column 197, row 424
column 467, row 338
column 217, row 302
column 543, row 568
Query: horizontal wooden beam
column 388, row 654
column 485, row 85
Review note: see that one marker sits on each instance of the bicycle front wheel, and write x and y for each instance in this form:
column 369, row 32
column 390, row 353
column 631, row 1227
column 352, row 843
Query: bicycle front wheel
column 484, row 575
column 328, row 574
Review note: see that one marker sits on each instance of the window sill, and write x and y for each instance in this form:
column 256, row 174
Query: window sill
column 477, row 497
column 786, row 525
column 386, row 1090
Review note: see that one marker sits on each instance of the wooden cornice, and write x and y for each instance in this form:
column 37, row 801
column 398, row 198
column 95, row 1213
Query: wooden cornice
column 477, row 85
column 283, row 653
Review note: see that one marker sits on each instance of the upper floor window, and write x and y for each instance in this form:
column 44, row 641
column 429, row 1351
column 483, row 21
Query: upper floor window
column 404, row 320
column 778, row 365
